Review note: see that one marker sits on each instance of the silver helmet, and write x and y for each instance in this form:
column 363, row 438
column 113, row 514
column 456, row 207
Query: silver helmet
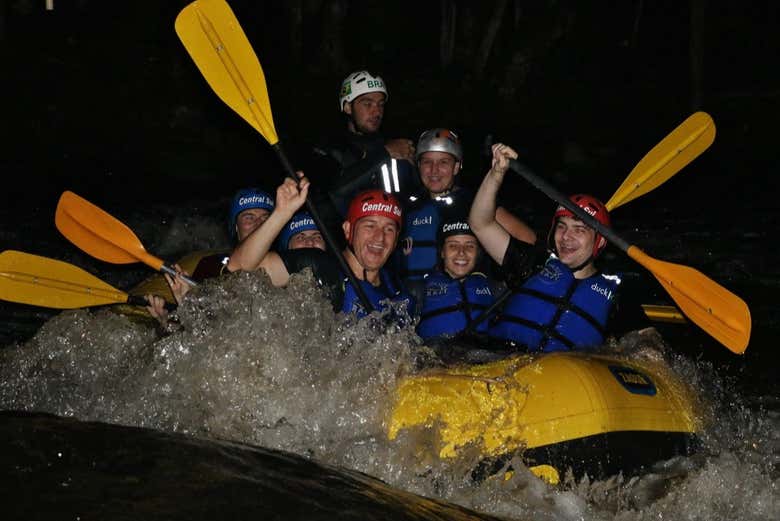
column 439, row 140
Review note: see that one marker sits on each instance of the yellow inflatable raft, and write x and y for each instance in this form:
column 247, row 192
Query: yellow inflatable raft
column 595, row 414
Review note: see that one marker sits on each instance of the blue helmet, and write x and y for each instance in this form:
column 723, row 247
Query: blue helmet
column 245, row 199
column 300, row 222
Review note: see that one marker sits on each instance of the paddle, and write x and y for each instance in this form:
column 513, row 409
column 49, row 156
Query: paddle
column 217, row 44
column 684, row 144
column 102, row 235
column 40, row 281
column 712, row 307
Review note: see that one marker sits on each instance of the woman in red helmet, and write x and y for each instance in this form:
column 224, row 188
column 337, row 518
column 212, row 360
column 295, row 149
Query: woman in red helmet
column 371, row 231
column 568, row 304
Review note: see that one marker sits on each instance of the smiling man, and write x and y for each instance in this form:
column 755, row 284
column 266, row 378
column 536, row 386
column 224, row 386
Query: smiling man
column 371, row 231
column 249, row 209
column 568, row 304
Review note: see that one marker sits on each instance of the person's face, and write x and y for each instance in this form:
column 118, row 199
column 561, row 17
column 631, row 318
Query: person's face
column 574, row 241
column 249, row 220
column 367, row 112
column 373, row 240
column 307, row 239
column 459, row 255
column 438, row 171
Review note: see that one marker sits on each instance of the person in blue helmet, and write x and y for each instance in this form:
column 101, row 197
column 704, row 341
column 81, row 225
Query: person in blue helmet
column 561, row 302
column 249, row 209
column 300, row 232
column 371, row 231
column 455, row 295
column 439, row 161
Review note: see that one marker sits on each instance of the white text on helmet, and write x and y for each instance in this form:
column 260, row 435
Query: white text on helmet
column 590, row 211
column 303, row 222
column 381, row 207
column 254, row 199
column 455, row 227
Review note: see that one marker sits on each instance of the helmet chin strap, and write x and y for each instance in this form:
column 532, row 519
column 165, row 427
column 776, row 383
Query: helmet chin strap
column 352, row 251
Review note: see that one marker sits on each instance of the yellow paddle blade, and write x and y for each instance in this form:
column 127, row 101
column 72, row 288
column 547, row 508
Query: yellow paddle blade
column 98, row 233
column 217, row 44
column 39, row 281
column 684, row 144
column 719, row 312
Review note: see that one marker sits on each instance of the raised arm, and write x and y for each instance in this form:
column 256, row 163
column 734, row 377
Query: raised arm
column 254, row 252
column 482, row 218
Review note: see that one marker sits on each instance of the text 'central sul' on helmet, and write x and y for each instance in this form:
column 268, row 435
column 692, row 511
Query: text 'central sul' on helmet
column 373, row 202
column 245, row 199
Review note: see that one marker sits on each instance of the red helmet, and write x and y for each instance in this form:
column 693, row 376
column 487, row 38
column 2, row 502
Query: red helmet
column 373, row 202
column 592, row 207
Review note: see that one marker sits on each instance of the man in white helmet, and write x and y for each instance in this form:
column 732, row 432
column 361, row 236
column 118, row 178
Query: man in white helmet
column 361, row 156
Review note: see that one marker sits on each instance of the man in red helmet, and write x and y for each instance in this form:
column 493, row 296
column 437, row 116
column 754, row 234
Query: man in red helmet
column 371, row 230
column 568, row 304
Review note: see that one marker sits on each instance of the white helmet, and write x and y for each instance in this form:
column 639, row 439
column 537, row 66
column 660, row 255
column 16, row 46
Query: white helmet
column 359, row 83
column 439, row 140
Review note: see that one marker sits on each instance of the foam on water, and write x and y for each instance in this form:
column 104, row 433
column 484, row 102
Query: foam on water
column 275, row 367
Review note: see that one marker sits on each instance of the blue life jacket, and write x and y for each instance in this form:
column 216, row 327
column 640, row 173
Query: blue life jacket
column 450, row 305
column 377, row 295
column 553, row 311
column 419, row 253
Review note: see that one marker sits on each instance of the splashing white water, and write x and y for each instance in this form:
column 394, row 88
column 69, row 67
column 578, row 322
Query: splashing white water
column 275, row 367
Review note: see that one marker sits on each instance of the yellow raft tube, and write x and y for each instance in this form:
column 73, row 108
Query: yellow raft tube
column 596, row 414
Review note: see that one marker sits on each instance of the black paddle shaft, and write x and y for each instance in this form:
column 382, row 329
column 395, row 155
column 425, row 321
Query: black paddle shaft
column 325, row 232
column 564, row 201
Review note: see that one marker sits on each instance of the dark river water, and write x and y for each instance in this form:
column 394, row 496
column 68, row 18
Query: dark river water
column 268, row 406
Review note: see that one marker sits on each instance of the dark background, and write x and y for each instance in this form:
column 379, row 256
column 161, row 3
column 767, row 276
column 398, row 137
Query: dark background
column 101, row 97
